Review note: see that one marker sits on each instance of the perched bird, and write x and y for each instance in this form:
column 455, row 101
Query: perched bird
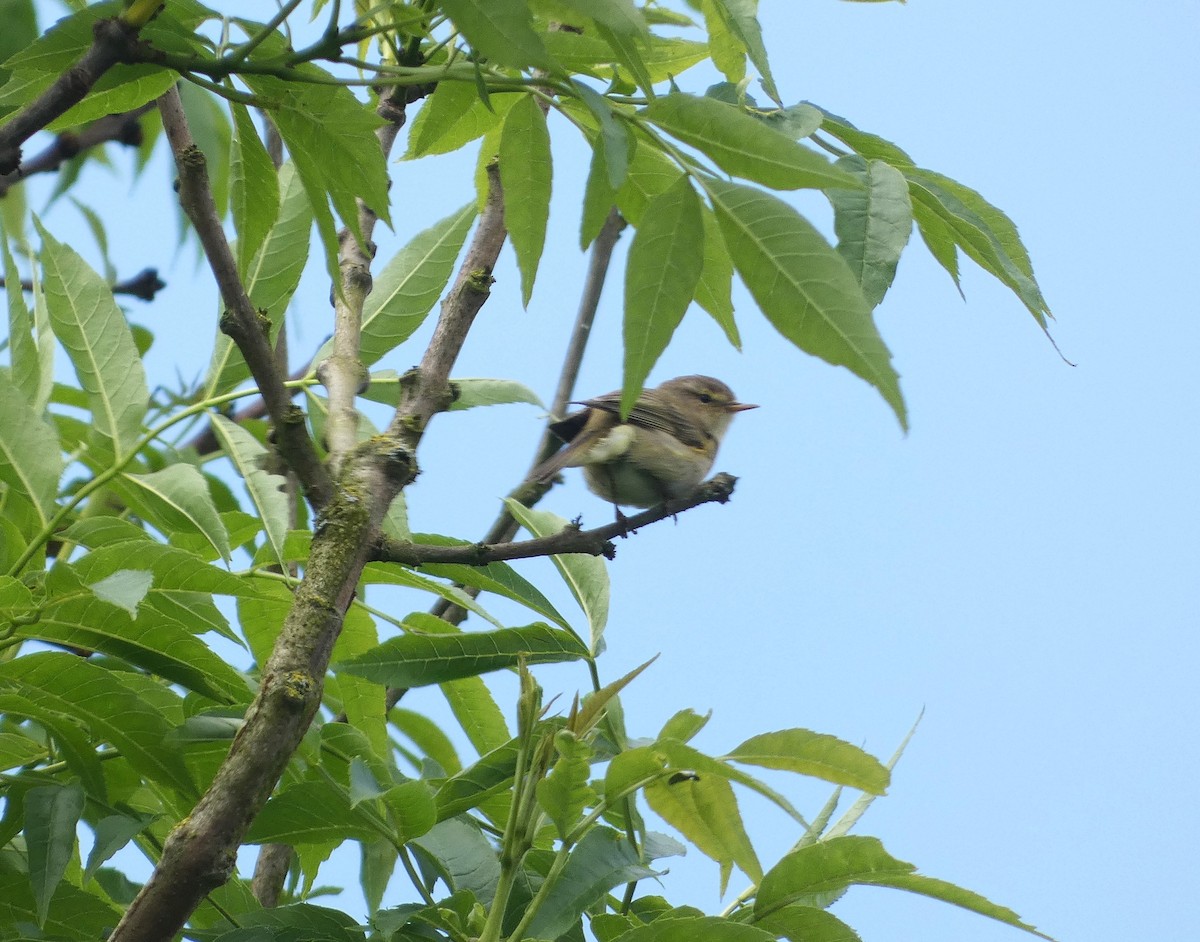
column 663, row 450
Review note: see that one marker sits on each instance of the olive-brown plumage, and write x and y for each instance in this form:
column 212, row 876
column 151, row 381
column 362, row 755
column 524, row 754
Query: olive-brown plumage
column 661, row 451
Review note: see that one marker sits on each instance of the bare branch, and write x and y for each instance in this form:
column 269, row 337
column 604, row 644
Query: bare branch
column 143, row 286
column 597, row 542
column 123, row 128
column 241, row 321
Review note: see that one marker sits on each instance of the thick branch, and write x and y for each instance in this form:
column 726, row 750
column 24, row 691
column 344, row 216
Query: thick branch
column 597, row 542
column 241, row 321
column 112, row 41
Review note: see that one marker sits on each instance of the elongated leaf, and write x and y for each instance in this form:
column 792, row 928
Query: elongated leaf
column 803, row 286
column 586, row 576
column 70, row 740
column 270, row 279
column 492, row 774
column 714, row 290
column 498, row 578
column 981, row 230
column 397, row 575
column 741, row 19
column 153, row 640
column 100, row 345
column 177, row 499
column 665, row 262
column 703, row 808
column 76, row 914
column 525, row 174
column 125, row 589
column 688, row 928
column 742, row 146
column 453, row 116
column 111, row 708
column 477, row 713
column 330, row 135
column 30, row 458
column 22, row 350
column 602, row 860
column 112, row 833
column 501, row 30
column 845, row 861
column 253, row 187
column 463, row 856
column 409, row 286
column 816, row 754
column 872, row 224
column 51, row 814
column 310, row 813
column 418, row 660
column 590, row 53
column 267, row 490
column 613, row 138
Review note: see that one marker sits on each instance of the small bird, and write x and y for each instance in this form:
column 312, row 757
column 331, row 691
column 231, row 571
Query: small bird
column 663, row 450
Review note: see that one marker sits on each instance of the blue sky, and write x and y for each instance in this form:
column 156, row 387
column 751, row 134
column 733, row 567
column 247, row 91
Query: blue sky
column 1022, row 565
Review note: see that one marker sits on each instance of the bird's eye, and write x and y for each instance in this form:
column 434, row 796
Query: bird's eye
column 705, row 397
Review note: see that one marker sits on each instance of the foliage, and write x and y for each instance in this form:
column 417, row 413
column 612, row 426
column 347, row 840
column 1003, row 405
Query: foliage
column 117, row 544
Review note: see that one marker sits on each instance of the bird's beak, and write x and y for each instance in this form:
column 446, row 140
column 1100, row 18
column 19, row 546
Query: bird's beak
column 740, row 406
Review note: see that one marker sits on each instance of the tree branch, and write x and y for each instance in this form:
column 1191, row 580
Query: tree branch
column 123, row 128
column 597, row 542
column 241, row 321
column 112, row 42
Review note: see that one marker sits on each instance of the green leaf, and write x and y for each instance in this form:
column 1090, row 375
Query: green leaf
column 267, row 491
column 330, row 135
column 500, row 30
column 93, row 330
column 388, row 574
column 270, row 280
column 453, row 116
column 414, row 660
column 364, row 703
column 613, row 139
column 525, row 175
column 665, row 262
column 472, row 786
column 803, row 286
column 112, row 709
column 650, row 172
column 310, row 813
column 463, row 856
column 498, row 578
column 125, row 589
column 413, row 808
column 816, row 754
column 153, row 640
column 177, row 499
column 112, row 833
column 211, row 129
column 714, row 290
column 741, row 19
column 743, row 146
column 872, row 224
column 728, row 50
column 254, row 187
column 470, row 393
column 408, row 287
column 602, row 860
column 661, row 58
column 870, row 146
column 985, row 233
column 75, row 914
column 586, row 576
column 703, row 808
column 806, row 924
column 51, row 814
column 30, row 458
column 691, row 928
column 22, row 350
column 844, row 861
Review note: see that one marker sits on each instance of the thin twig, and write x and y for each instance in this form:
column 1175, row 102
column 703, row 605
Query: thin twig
column 143, row 286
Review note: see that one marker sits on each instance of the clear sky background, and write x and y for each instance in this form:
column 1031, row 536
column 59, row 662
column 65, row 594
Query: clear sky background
column 1022, row 566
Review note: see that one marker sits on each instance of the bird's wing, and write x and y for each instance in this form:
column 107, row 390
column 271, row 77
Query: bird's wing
column 652, row 413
